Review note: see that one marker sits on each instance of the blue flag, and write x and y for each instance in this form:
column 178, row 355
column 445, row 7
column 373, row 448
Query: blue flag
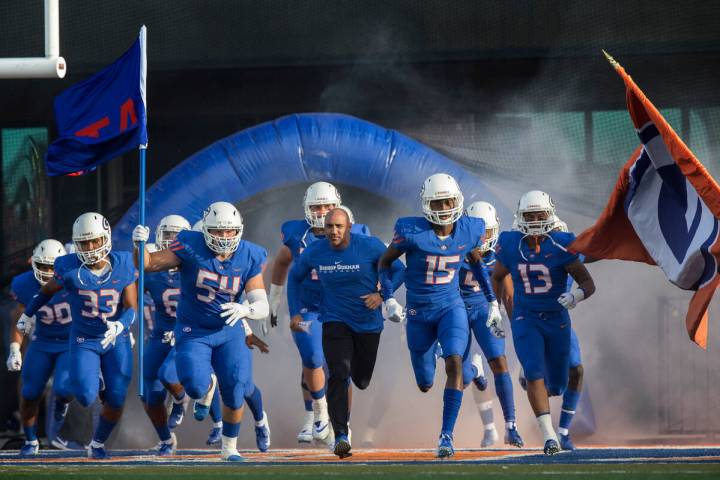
column 102, row 117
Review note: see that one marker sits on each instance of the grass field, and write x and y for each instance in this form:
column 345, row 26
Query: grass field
column 357, row 471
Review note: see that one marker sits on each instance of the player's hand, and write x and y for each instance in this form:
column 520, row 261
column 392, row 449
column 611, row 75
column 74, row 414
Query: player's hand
column 393, row 311
column 494, row 320
column 297, row 324
column 169, row 337
column 140, row 234
column 233, row 312
column 372, row 300
column 274, row 300
column 251, row 340
column 26, row 325
column 14, row 361
column 567, row 300
column 114, row 329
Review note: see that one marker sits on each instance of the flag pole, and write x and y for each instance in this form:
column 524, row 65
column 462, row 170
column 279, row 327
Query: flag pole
column 141, row 253
column 141, row 279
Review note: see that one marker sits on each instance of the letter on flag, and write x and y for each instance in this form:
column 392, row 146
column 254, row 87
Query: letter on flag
column 102, row 117
column 664, row 211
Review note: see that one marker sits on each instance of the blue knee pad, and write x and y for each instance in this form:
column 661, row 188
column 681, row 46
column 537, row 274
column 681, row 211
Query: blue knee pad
column 491, row 346
column 37, row 368
column 309, row 344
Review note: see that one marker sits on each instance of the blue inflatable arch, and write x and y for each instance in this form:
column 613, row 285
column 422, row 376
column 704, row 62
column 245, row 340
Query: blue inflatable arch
column 300, row 148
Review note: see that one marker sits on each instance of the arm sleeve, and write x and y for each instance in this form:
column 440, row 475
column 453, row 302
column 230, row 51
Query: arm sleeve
column 36, row 303
column 300, row 269
column 480, row 272
column 127, row 318
column 258, row 304
column 398, row 274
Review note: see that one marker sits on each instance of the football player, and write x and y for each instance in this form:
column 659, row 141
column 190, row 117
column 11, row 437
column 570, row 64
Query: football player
column 215, row 267
column 101, row 289
column 320, row 198
column 48, row 350
column 492, row 343
column 435, row 247
column 538, row 261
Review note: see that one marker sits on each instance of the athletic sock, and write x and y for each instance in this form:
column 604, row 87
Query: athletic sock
column 216, row 408
column 255, row 404
column 569, row 406
column 486, row 415
column 504, row 391
column 452, row 400
column 31, row 433
column 545, row 423
column 104, row 429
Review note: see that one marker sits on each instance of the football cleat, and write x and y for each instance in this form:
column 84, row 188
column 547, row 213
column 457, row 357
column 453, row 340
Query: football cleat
column 262, row 434
column 551, row 447
column 566, row 442
column 201, row 408
column 30, row 449
column 62, row 444
column 98, row 453
column 306, row 434
column 166, row 449
column 231, row 456
column 512, row 437
column 321, row 430
column 215, row 436
column 445, row 446
column 177, row 413
column 342, row 446
column 490, row 436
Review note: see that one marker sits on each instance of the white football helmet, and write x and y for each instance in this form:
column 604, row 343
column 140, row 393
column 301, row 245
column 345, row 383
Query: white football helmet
column 222, row 216
column 169, row 225
column 559, row 225
column 349, row 213
column 198, row 226
column 532, row 202
column 45, row 254
column 440, row 187
column 89, row 226
column 488, row 213
column 319, row 193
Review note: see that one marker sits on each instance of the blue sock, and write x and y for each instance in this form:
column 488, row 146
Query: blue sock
column 231, row 430
column 504, row 391
column 452, row 399
column 104, row 430
column 215, row 407
column 569, row 405
column 163, row 432
column 31, row 433
column 319, row 394
column 254, row 403
column 308, row 406
column 182, row 397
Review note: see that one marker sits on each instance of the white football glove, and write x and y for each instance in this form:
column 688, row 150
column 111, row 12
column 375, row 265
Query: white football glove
column 169, row 337
column 26, row 325
column 275, row 299
column 14, row 361
column 570, row 299
column 114, row 329
column 494, row 320
column 140, row 234
column 234, row 312
column 393, row 311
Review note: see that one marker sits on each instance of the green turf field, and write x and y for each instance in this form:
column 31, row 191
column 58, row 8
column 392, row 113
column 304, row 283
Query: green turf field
column 339, row 472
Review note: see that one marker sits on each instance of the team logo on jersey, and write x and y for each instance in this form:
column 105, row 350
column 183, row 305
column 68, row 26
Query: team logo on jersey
column 411, row 311
column 80, row 339
column 443, row 247
column 187, row 329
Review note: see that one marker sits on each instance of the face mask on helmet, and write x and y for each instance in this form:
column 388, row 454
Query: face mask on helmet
column 167, row 230
column 488, row 214
column 222, row 228
column 43, row 259
column 442, row 200
column 320, row 198
column 535, row 213
column 91, row 237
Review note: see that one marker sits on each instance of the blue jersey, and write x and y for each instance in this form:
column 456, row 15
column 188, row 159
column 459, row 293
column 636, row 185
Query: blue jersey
column 206, row 282
column 95, row 299
column 540, row 277
column 431, row 276
column 164, row 289
column 344, row 275
column 469, row 287
column 297, row 235
column 54, row 318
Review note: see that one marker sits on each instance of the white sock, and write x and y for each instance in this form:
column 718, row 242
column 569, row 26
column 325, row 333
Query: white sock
column 545, row 424
column 32, row 442
column 229, row 446
column 563, row 431
column 510, row 425
column 217, row 424
column 320, row 410
column 262, row 421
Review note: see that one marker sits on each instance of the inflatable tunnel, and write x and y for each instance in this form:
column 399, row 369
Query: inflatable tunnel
column 300, row 148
